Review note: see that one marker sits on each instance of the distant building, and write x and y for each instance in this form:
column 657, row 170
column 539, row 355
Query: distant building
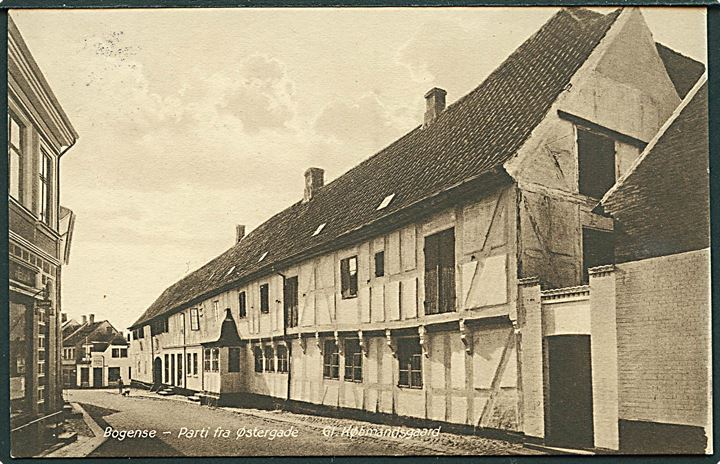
column 411, row 285
column 95, row 354
column 39, row 134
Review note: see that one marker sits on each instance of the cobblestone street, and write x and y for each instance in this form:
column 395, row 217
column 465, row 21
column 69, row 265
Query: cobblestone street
column 311, row 434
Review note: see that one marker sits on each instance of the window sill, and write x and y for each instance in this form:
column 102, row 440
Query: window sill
column 408, row 387
column 331, row 378
column 350, row 297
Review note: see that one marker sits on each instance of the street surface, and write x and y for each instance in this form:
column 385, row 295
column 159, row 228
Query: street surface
column 183, row 428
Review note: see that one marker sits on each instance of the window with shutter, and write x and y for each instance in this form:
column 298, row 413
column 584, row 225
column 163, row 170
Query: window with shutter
column 440, row 272
column 290, row 299
column 349, row 277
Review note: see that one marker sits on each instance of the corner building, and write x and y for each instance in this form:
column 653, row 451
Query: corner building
column 400, row 288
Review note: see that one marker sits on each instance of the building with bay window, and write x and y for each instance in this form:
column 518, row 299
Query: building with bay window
column 39, row 135
column 406, row 286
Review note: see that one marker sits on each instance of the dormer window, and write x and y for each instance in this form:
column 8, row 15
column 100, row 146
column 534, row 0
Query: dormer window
column 596, row 162
column 319, row 229
column 386, row 201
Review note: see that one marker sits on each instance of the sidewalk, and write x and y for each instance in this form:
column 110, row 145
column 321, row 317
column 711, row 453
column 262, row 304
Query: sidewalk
column 84, row 445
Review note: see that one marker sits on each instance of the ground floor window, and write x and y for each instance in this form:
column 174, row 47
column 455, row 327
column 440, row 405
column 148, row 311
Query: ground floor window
column 215, row 360
column 195, row 363
column 113, row 374
column 233, row 359
column 282, row 358
column 331, row 360
column 167, row 368
column 269, row 359
column 258, row 355
column 353, row 360
column 206, row 360
column 409, row 355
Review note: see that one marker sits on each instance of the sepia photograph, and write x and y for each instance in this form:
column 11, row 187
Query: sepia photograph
column 479, row 231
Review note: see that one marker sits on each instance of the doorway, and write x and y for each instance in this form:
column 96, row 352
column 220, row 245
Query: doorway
column 97, row 377
column 157, row 371
column 569, row 403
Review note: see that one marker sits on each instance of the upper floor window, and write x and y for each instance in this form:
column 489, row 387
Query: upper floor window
column 598, row 249
column 290, row 300
column 596, row 163
column 331, row 360
column 440, row 272
column 265, row 298
column 242, row 304
column 119, row 353
column 409, row 354
column 216, row 309
column 349, row 277
column 15, row 157
column 44, row 174
column 353, row 360
column 380, row 264
column 194, row 319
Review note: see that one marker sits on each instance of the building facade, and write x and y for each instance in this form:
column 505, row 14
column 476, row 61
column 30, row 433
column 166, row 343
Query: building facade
column 94, row 354
column 39, row 134
column 402, row 288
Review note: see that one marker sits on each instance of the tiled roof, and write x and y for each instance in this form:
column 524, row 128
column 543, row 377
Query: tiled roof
column 79, row 335
column 684, row 72
column 470, row 139
column 662, row 206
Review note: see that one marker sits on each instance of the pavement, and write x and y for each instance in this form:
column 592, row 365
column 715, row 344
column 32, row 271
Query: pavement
column 84, row 445
column 184, row 428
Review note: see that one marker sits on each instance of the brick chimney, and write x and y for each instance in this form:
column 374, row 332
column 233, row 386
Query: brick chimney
column 314, row 180
column 239, row 232
column 84, row 319
column 92, row 318
column 434, row 105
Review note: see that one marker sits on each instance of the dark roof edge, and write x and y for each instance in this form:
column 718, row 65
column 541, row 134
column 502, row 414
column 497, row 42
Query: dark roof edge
column 430, row 204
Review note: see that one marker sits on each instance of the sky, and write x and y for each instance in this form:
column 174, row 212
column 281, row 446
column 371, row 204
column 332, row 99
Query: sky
column 192, row 121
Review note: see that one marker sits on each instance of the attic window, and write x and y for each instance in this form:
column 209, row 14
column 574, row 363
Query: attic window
column 319, row 229
column 230, row 271
column 264, row 255
column 386, row 201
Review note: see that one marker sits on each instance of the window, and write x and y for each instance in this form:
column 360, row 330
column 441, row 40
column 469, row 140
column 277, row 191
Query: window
column 158, row 327
column 598, row 249
column 269, row 359
column 233, row 359
column 282, row 358
column 179, row 368
column 349, row 277
column 188, row 363
column 596, row 163
column 265, row 298
column 331, row 360
column 115, row 352
column 380, row 264
column 15, row 158
column 353, row 360
column 290, row 300
column 194, row 319
column 113, row 374
column 215, row 360
column 195, row 363
column 206, row 360
column 167, row 368
column 409, row 356
column 242, row 303
column 440, row 272
column 45, row 186
column 216, row 310
column 258, row 354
